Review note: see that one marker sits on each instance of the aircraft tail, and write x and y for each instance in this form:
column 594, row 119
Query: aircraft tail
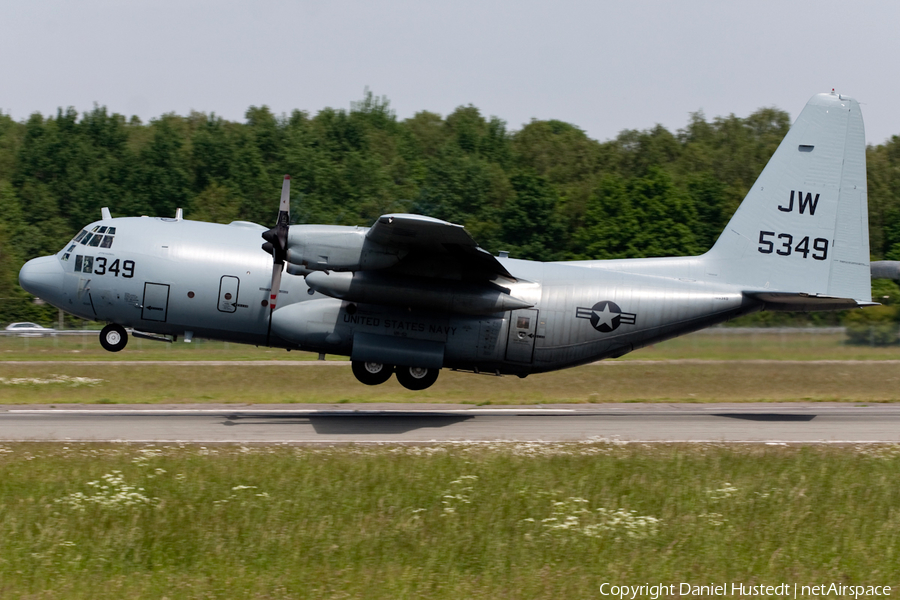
column 803, row 229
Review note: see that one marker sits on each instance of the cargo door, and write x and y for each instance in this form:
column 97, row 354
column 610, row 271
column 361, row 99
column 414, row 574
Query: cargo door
column 520, row 341
column 228, row 293
column 156, row 302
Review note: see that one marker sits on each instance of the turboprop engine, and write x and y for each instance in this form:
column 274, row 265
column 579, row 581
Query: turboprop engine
column 410, row 292
column 335, row 248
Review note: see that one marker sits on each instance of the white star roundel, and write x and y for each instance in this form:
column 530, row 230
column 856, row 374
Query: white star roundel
column 605, row 316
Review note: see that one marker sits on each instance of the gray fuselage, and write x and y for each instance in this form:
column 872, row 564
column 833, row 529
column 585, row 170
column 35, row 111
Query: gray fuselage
column 212, row 281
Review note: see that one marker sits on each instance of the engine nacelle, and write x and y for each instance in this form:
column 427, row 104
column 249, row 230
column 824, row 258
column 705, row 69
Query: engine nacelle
column 406, row 292
column 337, row 248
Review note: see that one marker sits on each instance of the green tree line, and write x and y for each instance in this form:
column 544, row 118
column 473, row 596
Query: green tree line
column 545, row 192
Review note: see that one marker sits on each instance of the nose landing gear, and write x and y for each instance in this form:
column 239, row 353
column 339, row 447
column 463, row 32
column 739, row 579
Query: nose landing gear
column 113, row 337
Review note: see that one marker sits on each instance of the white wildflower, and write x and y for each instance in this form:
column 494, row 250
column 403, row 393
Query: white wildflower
column 714, row 519
column 114, row 495
column 726, row 491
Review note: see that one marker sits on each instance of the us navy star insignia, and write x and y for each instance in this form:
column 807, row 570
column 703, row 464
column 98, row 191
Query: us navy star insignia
column 605, row 316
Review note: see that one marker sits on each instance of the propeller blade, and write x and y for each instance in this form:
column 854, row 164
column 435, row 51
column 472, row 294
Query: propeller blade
column 276, row 284
column 276, row 240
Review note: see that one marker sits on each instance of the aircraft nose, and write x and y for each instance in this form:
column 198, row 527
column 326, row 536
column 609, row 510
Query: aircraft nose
column 42, row 277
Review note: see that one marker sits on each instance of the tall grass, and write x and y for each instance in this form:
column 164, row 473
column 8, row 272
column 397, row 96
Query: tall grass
column 460, row 521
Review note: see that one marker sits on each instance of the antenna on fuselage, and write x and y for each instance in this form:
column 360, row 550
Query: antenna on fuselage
column 104, row 214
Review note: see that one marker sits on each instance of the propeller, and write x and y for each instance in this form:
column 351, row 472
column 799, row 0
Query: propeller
column 276, row 240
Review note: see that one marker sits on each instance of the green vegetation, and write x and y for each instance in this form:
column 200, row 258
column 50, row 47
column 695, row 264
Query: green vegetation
column 605, row 382
column 719, row 366
column 546, row 191
column 712, row 344
column 471, row 521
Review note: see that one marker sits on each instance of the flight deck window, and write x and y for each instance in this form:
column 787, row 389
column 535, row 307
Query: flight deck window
column 102, row 230
column 107, row 241
column 80, row 236
column 78, row 259
column 111, row 231
column 66, row 256
column 96, row 227
column 88, row 265
column 86, row 239
column 95, row 241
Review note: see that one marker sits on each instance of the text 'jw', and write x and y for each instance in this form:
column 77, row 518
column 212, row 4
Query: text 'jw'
column 804, row 203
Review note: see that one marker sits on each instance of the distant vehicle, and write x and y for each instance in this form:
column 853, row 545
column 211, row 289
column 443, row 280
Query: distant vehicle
column 412, row 294
column 29, row 329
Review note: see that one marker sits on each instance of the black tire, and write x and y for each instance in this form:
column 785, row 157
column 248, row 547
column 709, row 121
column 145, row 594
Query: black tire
column 113, row 337
column 371, row 373
column 417, row 378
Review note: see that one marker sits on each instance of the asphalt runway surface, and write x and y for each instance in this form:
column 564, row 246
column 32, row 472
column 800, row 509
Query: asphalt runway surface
column 372, row 423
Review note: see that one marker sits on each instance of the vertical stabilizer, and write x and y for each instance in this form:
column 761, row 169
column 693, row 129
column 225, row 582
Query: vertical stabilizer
column 803, row 227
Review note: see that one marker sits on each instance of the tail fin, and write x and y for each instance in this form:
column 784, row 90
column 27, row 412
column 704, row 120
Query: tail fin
column 803, row 228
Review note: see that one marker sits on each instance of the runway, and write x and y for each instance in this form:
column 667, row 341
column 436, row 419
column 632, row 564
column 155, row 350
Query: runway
column 330, row 424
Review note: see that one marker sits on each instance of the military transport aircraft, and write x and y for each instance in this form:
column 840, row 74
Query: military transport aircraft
column 412, row 294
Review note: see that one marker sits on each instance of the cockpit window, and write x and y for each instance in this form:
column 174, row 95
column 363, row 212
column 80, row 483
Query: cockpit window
column 96, row 227
column 97, row 239
column 80, row 236
column 78, row 259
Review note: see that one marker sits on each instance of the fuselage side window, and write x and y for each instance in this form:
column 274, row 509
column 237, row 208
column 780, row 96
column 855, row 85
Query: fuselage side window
column 88, row 265
column 78, row 259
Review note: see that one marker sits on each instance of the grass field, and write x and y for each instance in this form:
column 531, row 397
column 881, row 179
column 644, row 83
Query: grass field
column 632, row 379
column 717, row 344
column 514, row 521
column 605, row 382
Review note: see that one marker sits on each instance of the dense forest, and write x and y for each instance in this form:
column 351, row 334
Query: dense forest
column 545, row 192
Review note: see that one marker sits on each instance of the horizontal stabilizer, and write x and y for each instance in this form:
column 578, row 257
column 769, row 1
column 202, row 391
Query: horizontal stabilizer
column 787, row 301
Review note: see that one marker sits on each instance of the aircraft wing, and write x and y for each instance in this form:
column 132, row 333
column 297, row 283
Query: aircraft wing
column 435, row 248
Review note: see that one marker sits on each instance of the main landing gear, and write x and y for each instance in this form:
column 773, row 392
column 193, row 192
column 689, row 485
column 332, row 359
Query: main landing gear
column 412, row 378
column 113, row 337
column 371, row 373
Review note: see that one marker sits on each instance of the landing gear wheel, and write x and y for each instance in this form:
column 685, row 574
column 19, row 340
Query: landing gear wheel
column 113, row 337
column 371, row 373
column 416, row 378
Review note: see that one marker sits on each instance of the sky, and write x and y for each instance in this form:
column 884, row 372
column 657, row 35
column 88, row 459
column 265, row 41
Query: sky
column 603, row 66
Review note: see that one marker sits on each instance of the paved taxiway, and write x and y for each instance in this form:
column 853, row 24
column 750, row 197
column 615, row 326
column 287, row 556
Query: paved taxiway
column 794, row 422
